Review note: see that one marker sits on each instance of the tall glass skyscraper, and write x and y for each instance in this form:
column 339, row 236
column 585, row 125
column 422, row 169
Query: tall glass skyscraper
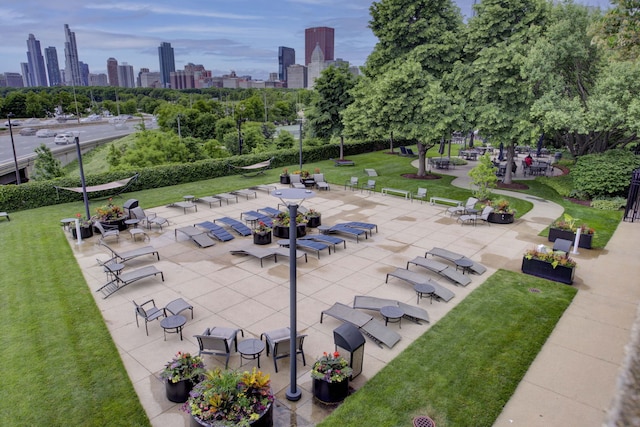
column 53, row 69
column 167, row 63
column 72, row 63
column 286, row 58
column 318, row 36
column 37, row 74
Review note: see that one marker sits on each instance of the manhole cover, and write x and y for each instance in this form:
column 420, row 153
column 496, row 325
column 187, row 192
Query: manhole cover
column 534, row 290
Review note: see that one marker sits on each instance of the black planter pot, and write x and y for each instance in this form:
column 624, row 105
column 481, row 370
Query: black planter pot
column 285, row 179
column 116, row 222
column 585, row 239
column 262, row 239
column 178, row 392
column 500, row 218
column 545, row 270
column 327, row 392
column 283, row 232
column 314, row 221
column 266, row 420
column 85, row 232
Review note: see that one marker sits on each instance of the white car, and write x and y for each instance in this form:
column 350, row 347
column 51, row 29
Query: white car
column 13, row 123
column 26, row 131
column 45, row 133
column 64, row 138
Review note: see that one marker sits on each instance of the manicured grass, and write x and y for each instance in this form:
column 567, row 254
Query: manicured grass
column 464, row 369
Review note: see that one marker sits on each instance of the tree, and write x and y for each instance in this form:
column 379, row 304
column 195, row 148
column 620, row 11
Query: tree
column 483, row 177
column 333, row 88
column 46, row 166
column 619, row 29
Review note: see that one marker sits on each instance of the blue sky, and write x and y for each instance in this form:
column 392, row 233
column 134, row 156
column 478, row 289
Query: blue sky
column 223, row 35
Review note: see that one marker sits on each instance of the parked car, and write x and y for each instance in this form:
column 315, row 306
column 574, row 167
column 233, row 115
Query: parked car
column 45, row 133
column 64, row 138
column 13, row 123
column 26, row 131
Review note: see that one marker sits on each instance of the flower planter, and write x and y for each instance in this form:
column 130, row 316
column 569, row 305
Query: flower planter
column 85, row 232
column 265, row 420
column 282, row 231
column 327, row 392
column 585, row 239
column 314, row 221
column 500, row 218
column 545, row 270
column 262, row 238
column 120, row 223
column 178, row 392
column 285, row 179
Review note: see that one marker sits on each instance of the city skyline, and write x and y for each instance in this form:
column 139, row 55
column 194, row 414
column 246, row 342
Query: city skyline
column 243, row 36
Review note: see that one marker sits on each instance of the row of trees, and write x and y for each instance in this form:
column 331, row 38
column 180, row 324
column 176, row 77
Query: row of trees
column 514, row 71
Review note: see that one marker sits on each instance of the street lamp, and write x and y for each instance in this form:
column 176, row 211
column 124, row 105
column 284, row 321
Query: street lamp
column 13, row 146
column 290, row 198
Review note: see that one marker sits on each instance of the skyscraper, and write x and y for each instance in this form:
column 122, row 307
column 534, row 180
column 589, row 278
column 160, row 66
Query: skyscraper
column 26, row 74
column 53, row 69
column 112, row 71
column 286, row 58
column 72, row 64
column 167, row 63
column 84, row 73
column 125, row 75
column 38, row 76
column 318, row 36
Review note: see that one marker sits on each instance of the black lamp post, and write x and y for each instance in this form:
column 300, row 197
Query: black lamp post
column 290, row 197
column 13, row 146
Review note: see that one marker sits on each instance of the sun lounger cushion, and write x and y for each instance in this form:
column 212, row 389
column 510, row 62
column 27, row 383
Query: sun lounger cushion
column 415, row 278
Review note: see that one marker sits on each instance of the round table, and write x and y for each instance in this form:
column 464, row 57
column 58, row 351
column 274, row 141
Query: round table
column 66, row 222
column 173, row 322
column 464, row 263
column 113, row 269
column 424, row 290
column 393, row 314
column 250, row 349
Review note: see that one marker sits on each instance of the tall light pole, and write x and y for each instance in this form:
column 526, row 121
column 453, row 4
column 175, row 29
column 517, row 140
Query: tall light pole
column 13, row 146
column 293, row 197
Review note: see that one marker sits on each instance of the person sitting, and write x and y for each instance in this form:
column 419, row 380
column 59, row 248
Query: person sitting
column 528, row 160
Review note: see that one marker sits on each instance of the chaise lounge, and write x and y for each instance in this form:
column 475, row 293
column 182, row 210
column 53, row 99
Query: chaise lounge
column 413, row 313
column 442, row 269
column 131, row 254
column 123, row 279
column 418, row 279
column 476, row 267
column 374, row 329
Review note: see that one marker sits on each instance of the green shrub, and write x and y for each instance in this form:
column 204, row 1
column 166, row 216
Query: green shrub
column 562, row 184
column 604, row 174
column 610, row 204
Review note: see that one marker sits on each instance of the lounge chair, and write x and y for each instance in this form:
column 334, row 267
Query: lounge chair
column 123, row 279
column 149, row 218
column 260, row 253
column 403, row 151
column 442, row 269
column 177, row 306
column 343, row 162
column 296, row 181
column 420, row 195
column 217, row 341
column 216, row 231
column 343, row 229
column 131, row 254
column 352, row 183
column 462, row 210
column 104, row 233
column 226, row 197
column 184, row 206
column 285, row 252
column 371, row 172
column 369, row 186
column 270, row 211
column 307, row 244
column 253, row 216
column 413, row 313
column 362, row 225
column 236, row 225
column 321, row 184
column 278, row 343
column 210, row 199
column 148, row 313
column 198, row 236
column 371, row 327
column 330, row 240
column 452, row 256
column 246, row 193
column 410, row 152
column 264, row 187
column 416, row 278
column 474, row 218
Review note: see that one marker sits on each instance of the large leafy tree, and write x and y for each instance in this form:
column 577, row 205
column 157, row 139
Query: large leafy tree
column 619, row 29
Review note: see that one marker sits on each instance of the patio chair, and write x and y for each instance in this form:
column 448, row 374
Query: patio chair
column 296, row 181
column 177, row 306
column 562, row 247
column 149, row 314
column 107, row 232
column 352, row 183
column 217, row 341
column 370, row 186
column 413, row 313
column 374, row 329
column 131, row 254
column 403, row 151
column 321, row 184
column 278, row 343
column 461, row 210
column 420, row 195
column 410, row 152
column 415, row 278
column 121, row 280
column 476, row 267
column 473, row 218
column 149, row 218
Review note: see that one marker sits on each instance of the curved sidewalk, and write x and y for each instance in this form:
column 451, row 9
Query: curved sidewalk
column 574, row 379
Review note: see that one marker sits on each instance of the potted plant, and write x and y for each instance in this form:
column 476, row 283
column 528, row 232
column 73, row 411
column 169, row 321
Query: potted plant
column 313, row 218
column 232, row 398
column 262, row 234
column 86, row 230
column 281, row 225
column 180, row 374
column 330, row 375
column 111, row 215
column 502, row 212
column 548, row 265
column 566, row 228
column 284, row 177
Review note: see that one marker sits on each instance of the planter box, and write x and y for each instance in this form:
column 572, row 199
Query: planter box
column 330, row 392
column 314, row 221
column 85, row 232
column 545, row 270
column 265, row 420
column 283, row 232
column 285, row 179
column 585, row 239
column 262, row 239
column 120, row 223
column 500, row 218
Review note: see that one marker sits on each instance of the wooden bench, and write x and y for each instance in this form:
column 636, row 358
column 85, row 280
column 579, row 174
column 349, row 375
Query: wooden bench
column 405, row 193
column 444, row 200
